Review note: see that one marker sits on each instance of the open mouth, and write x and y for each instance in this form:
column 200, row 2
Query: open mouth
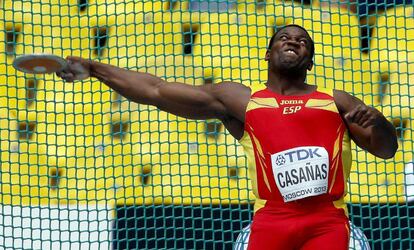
column 291, row 51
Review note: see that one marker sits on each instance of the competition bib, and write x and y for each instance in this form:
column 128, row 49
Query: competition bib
column 301, row 172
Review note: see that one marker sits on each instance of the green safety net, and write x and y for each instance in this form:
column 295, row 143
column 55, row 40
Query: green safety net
column 84, row 168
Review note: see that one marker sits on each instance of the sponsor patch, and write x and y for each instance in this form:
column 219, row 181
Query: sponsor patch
column 301, row 172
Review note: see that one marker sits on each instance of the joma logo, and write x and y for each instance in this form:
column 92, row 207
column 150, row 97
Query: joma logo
column 283, row 102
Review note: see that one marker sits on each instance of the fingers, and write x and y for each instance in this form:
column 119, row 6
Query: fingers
column 365, row 121
column 66, row 76
column 360, row 114
column 350, row 116
column 363, row 116
column 73, row 70
column 65, row 72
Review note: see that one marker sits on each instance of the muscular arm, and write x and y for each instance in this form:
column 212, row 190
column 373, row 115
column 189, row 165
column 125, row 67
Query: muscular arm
column 368, row 127
column 224, row 101
column 195, row 102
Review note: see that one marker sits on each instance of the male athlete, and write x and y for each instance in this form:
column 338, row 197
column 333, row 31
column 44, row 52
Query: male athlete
column 296, row 137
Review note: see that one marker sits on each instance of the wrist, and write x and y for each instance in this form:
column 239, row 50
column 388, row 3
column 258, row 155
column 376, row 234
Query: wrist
column 91, row 65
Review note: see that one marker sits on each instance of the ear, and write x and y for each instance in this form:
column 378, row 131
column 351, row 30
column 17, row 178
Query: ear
column 310, row 66
column 267, row 56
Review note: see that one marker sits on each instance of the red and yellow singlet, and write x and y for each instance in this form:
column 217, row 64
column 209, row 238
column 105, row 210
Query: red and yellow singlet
column 299, row 158
column 298, row 148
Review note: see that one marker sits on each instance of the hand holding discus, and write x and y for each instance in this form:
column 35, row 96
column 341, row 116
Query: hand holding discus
column 76, row 69
column 71, row 69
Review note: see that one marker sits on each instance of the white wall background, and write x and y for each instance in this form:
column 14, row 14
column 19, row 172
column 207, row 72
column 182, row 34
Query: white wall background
column 52, row 227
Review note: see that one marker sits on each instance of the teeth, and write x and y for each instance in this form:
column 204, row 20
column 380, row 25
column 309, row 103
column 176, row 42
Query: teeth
column 291, row 51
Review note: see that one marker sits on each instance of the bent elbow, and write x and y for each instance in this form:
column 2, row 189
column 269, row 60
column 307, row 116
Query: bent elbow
column 390, row 151
column 387, row 156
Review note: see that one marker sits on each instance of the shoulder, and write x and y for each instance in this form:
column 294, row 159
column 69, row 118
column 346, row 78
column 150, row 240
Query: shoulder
column 234, row 97
column 326, row 91
column 233, row 85
column 231, row 89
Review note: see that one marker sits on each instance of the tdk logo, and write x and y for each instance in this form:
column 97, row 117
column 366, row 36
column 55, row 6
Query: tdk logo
column 299, row 154
column 303, row 154
column 280, row 160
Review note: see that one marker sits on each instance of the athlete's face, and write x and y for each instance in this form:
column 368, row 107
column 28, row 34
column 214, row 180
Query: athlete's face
column 291, row 51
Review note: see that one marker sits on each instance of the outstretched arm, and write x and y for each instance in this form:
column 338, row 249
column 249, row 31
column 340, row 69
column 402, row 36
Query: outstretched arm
column 368, row 127
column 195, row 102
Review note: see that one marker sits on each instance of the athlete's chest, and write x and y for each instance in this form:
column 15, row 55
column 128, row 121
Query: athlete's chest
column 279, row 121
column 282, row 112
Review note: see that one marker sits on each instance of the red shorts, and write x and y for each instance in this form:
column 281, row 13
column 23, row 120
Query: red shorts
column 298, row 226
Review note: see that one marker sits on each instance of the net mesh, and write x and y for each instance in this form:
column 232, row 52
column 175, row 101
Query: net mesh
column 82, row 167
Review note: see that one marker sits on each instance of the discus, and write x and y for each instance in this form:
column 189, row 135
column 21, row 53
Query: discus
column 39, row 63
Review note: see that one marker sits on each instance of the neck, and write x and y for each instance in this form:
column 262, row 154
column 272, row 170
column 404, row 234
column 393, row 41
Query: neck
column 288, row 84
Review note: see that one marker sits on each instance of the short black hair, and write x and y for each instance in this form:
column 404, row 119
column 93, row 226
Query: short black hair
column 297, row 26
